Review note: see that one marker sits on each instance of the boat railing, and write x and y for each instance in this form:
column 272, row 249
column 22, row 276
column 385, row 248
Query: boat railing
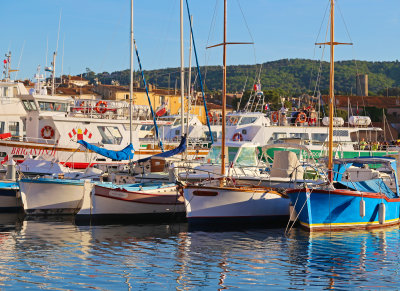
column 35, row 140
column 294, row 118
column 105, row 109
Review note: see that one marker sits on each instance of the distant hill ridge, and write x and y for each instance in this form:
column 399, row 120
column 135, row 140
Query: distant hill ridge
column 294, row 76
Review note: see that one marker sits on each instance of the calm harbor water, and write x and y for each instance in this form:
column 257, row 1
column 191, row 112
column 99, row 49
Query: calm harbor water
column 57, row 254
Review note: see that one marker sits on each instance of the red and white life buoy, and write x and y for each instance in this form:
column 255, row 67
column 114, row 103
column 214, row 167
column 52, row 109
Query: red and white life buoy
column 275, row 116
column 237, row 137
column 47, row 132
column 301, row 118
column 101, row 107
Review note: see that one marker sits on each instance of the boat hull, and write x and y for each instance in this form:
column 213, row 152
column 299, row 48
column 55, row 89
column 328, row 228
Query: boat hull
column 49, row 197
column 321, row 210
column 110, row 203
column 10, row 200
column 224, row 205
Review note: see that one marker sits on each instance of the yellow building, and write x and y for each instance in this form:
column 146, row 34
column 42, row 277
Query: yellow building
column 158, row 97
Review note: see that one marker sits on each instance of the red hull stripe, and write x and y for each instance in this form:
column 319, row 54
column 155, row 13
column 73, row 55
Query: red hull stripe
column 350, row 193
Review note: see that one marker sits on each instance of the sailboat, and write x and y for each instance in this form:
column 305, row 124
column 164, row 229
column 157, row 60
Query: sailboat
column 346, row 202
column 111, row 201
column 216, row 201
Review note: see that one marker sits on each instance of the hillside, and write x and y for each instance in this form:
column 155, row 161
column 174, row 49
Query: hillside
column 294, row 76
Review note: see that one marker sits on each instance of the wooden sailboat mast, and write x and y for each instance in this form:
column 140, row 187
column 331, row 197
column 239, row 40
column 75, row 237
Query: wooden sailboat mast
column 332, row 43
column 182, row 71
column 223, row 154
column 331, row 92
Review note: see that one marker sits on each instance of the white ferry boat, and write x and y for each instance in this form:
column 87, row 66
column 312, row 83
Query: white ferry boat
column 257, row 128
column 53, row 124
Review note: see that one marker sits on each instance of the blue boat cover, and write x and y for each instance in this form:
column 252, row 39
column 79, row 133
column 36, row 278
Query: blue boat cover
column 181, row 148
column 372, row 186
column 122, row 155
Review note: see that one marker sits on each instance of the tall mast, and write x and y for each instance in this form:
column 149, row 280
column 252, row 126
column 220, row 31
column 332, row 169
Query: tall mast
column 223, row 98
column 331, row 92
column 131, row 77
column 189, row 84
column 182, row 74
column 332, row 43
column 53, row 74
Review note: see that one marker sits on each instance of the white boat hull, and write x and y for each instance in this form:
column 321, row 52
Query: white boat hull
column 53, row 197
column 210, row 204
column 112, row 203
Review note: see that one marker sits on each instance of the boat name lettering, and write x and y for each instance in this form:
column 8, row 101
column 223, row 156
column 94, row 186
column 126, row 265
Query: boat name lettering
column 118, row 194
column 35, row 152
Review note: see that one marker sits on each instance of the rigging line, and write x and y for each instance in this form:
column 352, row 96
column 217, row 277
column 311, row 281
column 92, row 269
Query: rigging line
column 19, row 62
column 108, row 47
column 211, row 31
column 319, row 75
column 163, row 40
column 316, row 40
column 248, row 29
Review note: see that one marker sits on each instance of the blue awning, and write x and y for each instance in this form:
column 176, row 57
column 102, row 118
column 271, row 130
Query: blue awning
column 181, row 148
column 122, row 155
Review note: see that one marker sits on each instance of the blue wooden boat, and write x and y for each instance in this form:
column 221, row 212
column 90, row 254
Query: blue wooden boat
column 9, row 196
column 351, row 202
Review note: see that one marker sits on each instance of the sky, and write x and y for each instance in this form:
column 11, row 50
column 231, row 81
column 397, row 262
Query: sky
column 95, row 33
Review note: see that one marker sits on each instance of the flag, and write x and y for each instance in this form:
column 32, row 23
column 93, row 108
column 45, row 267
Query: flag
column 5, row 61
column 267, row 107
column 4, row 160
column 357, row 109
column 161, row 110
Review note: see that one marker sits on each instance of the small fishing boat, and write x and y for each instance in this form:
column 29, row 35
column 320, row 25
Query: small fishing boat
column 350, row 204
column 53, row 196
column 142, row 201
column 352, row 198
column 222, row 200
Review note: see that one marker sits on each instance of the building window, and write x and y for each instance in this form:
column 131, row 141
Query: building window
column 126, row 96
column 13, row 128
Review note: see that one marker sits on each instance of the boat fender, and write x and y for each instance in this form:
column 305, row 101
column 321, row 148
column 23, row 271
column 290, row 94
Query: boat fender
column 362, row 208
column 382, row 213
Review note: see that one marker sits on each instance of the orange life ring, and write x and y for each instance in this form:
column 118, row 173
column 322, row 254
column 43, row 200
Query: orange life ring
column 233, row 120
column 301, row 117
column 101, row 107
column 47, row 132
column 237, row 137
column 210, row 117
column 275, row 116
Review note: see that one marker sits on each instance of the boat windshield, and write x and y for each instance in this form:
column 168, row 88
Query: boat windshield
column 247, row 157
column 248, row 120
column 178, row 121
column 231, row 121
column 53, row 106
column 214, row 155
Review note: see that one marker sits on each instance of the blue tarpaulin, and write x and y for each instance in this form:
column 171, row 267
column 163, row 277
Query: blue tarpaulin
column 122, row 155
column 372, row 186
column 181, row 148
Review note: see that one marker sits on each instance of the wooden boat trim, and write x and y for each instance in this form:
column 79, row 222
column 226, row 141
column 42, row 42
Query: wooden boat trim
column 339, row 226
column 129, row 196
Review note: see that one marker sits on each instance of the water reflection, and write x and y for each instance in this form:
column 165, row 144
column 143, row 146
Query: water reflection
column 367, row 259
column 57, row 254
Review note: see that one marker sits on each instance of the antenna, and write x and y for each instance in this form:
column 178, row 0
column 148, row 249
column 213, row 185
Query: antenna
column 19, row 61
